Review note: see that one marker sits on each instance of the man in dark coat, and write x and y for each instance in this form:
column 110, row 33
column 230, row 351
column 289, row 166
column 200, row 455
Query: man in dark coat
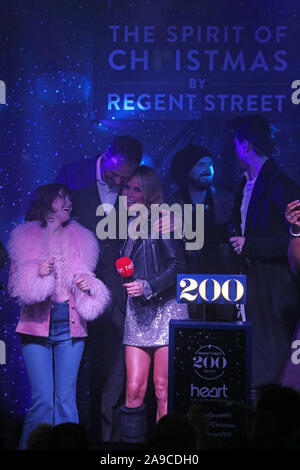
column 99, row 181
column 192, row 168
column 262, row 244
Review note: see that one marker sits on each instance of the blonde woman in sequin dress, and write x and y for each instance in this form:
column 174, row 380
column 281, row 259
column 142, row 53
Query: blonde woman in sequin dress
column 51, row 276
column 151, row 304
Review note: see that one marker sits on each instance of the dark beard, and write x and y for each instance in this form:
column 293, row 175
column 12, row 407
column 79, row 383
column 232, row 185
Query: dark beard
column 200, row 185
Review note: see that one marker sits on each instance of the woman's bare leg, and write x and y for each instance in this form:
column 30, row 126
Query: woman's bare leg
column 138, row 363
column 160, row 378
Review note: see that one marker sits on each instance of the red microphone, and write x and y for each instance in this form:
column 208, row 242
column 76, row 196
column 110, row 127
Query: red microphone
column 125, row 268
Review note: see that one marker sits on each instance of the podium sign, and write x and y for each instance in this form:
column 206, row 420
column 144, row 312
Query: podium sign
column 211, row 288
column 209, row 364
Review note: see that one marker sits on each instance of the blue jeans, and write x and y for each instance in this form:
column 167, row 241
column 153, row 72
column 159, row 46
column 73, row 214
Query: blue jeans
column 52, row 365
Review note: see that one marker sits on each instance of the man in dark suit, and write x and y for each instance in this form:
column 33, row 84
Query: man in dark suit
column 262, row 246
column 99, row 181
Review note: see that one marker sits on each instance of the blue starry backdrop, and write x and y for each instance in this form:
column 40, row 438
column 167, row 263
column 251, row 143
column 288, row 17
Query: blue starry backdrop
column 73, row 74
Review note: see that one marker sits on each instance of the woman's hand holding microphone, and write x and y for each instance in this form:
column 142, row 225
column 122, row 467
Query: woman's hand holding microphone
column 134, row 288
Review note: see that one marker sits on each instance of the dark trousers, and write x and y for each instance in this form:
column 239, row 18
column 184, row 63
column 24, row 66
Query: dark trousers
column 107, row 375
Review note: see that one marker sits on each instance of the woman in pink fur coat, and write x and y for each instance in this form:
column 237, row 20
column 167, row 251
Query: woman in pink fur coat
column 51, row 276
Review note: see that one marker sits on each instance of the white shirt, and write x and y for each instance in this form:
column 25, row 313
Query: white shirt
column 107, row 195
column 247, row 193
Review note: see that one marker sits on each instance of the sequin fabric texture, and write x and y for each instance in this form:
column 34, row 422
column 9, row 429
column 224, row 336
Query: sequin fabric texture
column 147, row 322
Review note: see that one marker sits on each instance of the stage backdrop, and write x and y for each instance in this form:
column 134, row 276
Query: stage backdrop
column 73, row 74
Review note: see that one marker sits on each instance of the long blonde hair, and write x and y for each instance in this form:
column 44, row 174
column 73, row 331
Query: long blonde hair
column 150, row 185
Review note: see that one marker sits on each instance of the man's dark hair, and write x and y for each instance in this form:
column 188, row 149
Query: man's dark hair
column 255, row 128
column 41, row 202
column 127, row 146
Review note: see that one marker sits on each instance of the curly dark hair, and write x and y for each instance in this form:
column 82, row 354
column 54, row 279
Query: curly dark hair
column 41, row 201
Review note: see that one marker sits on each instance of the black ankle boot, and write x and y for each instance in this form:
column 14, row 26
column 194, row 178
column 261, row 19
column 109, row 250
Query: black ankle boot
column 134, row 424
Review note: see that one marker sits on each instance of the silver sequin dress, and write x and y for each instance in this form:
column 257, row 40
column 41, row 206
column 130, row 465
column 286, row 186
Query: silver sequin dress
column 148, row 316
column 147, row 322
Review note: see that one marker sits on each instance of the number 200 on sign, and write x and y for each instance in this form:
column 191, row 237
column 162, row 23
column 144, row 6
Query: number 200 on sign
column 191, row 289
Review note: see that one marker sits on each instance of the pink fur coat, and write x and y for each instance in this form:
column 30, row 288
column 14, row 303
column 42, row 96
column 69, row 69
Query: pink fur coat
column 28, row 246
